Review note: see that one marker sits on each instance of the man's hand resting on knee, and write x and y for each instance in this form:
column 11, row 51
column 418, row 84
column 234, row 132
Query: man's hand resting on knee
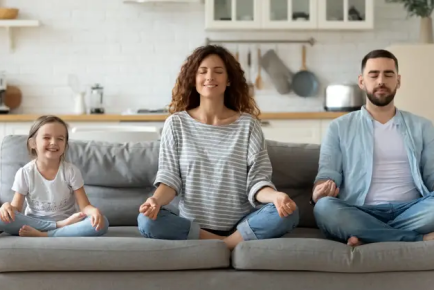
column 323, row 189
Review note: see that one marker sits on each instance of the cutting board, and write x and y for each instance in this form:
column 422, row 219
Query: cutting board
column 13, row 97
column 280, row 75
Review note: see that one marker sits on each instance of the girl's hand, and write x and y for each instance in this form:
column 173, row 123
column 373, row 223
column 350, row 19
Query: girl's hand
column 97, row 220
column 150, row 208
column 7, row 213
column 284, row 205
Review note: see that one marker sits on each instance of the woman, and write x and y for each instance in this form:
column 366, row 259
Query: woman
column 213, row 155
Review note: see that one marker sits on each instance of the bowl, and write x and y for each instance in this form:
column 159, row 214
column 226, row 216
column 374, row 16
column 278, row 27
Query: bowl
column 8, row 13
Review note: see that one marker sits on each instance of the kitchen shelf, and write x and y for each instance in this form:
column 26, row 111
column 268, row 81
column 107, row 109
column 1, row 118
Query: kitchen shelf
column 10, row 24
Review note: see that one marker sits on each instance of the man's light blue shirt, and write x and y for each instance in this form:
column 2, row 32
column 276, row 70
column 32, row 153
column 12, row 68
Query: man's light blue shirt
column 347, row 153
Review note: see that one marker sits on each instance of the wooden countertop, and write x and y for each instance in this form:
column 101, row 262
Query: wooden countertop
column 162, row 117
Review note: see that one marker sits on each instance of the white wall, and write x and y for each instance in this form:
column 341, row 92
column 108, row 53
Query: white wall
column 135, row 51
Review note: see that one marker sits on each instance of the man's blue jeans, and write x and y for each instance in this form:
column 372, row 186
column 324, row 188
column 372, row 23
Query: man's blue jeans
column 264, row 223
column 403, row 221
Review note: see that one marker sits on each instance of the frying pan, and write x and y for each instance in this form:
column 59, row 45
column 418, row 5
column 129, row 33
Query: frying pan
column 304, row 82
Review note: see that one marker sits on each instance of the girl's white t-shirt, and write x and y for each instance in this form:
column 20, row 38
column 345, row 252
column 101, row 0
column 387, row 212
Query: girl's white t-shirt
column 49, row 199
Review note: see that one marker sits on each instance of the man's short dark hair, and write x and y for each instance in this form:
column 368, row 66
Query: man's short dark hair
column 377, row 54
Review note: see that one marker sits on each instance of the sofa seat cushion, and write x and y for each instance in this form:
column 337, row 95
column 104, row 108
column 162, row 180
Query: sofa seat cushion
column 307, row 250
column 121, row 249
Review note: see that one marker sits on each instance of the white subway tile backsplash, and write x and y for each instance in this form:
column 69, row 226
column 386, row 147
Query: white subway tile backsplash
column 136, row 51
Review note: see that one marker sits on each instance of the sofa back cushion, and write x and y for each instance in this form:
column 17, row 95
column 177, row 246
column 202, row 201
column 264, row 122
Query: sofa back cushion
column 119, row 177
column 294, row 170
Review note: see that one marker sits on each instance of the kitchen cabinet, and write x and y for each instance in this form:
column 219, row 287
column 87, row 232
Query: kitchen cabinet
column 23, row 128
column 293, row 131
column 289, row 14
column 346, row 14
column 232, row 14
column 324, row 127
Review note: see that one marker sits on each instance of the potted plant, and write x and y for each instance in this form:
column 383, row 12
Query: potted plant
column 423, row 9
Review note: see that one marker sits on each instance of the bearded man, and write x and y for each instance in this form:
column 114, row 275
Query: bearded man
column 375, row 180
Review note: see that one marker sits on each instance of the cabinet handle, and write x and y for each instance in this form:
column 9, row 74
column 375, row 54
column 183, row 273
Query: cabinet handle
column 265, row 123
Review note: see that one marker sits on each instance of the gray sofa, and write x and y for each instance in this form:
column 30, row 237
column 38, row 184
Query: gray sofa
column 119, row 178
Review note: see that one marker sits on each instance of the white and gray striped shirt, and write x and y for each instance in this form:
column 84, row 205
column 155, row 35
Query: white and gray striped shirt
column 216, row 170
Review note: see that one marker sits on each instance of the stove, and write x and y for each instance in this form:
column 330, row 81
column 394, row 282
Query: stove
column 145, row 111
column 155, row 111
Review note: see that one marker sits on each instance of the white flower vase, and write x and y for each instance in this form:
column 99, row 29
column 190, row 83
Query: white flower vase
column 426, row 31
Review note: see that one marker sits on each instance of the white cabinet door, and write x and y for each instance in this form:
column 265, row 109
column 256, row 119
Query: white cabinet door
column 346, row 14
column 17, row 128
column 232, row 14
column 23, row 128
column 289, row 14
column 293, row 131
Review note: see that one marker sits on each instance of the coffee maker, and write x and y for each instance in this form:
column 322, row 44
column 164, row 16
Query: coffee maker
column 3, row 87
column 96, row 99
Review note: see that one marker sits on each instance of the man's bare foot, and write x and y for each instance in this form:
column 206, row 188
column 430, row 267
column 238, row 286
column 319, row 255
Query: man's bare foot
column 429, row 237
column 75, row 218
column 354, row 242
column 27, row 231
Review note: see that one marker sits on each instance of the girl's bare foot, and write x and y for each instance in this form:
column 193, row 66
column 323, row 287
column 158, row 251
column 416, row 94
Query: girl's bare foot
column 27, row 231
column 354, row 242
column 428, row 237
column 75, row 218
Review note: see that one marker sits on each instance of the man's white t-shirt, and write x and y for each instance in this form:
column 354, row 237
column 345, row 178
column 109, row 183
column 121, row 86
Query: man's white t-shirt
column 49, row 199
column 391, row 177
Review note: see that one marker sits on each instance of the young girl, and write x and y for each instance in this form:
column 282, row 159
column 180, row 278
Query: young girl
column 51, row 187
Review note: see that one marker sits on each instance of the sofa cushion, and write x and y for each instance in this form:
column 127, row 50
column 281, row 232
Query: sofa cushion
column 299, row 253
column 119, row 177
column 294, row 165
column 294, row 170
column 122, row 249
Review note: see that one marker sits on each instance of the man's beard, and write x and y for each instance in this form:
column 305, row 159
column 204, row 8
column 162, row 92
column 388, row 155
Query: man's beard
column 383, row 100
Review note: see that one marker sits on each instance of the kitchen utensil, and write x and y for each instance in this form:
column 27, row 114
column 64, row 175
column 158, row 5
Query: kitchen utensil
column 258, row 81
column 74, row 83
column 96, row 99
column 8, row 13
column 79, row 95
column 304, row 82
column 344, row 97
column 249, row 69
column 13, row 97
column 3, row 86
column 280, row 75
column 79, row 104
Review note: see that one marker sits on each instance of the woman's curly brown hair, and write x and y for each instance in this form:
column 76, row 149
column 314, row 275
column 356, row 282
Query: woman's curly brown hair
column 237, row 98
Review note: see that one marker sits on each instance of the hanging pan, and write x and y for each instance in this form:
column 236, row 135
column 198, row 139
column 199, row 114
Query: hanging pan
column 304, row 82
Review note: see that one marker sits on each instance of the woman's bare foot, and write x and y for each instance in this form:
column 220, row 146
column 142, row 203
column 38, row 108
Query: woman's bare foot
column 429, row 237
column 354, row 242
column 233, row 240
column 75, row 218
column 27, row 231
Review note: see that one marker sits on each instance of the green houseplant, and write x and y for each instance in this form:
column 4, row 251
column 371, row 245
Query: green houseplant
column 422, row 9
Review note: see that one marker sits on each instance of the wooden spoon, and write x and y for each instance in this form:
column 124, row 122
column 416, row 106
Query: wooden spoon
column 258, row 81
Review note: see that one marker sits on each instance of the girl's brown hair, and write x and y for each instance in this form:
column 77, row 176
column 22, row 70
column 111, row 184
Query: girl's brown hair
column 41, row 121
column 237, row 98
